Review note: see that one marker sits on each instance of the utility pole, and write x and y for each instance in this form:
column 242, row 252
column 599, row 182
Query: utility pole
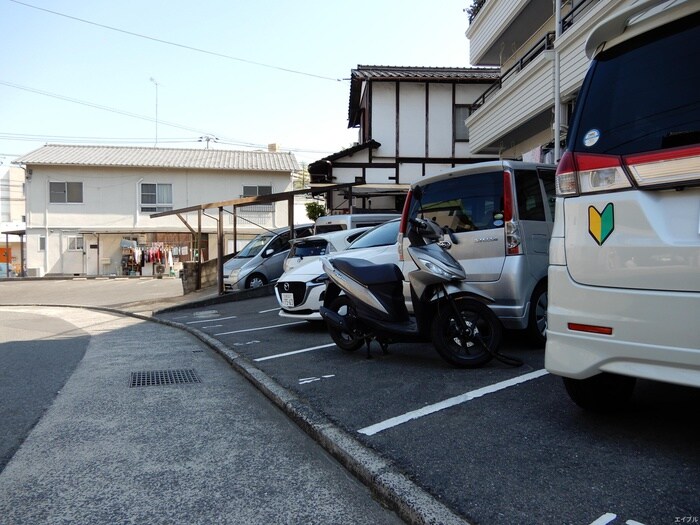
column 156, row 84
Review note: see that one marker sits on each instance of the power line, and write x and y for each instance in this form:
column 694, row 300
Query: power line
column 97, row 106
column 183, row 46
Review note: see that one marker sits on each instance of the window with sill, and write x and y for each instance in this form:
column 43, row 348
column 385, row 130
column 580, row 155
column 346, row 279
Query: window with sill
column 65, row 192
column 76, row 244
column 156, row 197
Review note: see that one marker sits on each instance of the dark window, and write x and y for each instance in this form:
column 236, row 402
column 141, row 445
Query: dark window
column 643, row 94
column 529, row 195
column 383, row 235
column 550, row 191
column 467, row 203
column 460, row 128
column 309, row 248
column 66, row 192
column 255, row 191
column 156, row 197
column 280, row 244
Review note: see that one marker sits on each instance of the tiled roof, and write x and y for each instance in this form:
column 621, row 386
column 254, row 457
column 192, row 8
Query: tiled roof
column 174, row 158
column 456, row 75
column 424, row 73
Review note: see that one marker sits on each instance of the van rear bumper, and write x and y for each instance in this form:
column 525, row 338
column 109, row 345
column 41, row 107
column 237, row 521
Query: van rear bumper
column 655, row 334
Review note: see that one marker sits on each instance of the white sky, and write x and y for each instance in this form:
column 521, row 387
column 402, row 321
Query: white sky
column 46, row 58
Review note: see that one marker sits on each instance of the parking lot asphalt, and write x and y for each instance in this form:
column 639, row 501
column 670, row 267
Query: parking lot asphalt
column 440, row 445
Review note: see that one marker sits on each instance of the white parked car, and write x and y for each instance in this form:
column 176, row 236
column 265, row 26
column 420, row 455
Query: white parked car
column 300, row 290
column 308, row 248
column 624, row 280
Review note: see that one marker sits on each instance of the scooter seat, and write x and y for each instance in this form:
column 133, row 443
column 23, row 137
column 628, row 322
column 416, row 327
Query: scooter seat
column 368, row 273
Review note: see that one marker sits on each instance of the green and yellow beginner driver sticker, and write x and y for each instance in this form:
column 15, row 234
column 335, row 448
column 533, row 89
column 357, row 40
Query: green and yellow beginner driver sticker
column 601, row 224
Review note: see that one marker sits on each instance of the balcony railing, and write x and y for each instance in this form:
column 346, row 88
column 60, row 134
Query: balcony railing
column 568, row 19
column 544, row 44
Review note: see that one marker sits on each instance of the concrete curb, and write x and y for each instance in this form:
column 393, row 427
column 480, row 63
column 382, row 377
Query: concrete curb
column 388, row 484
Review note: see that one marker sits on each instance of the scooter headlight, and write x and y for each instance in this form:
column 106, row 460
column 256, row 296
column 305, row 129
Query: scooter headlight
column 437, row 270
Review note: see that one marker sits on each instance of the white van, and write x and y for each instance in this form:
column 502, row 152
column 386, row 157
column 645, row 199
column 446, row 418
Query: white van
column 624, row 274
column 332, row 223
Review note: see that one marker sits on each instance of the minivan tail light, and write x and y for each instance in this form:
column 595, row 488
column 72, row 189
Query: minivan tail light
column 665, row 167
column 512, row 228
column 589, row 173
column 404, row 223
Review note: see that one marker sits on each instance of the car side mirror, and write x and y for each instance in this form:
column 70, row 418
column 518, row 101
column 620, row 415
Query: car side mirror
column 267, row 253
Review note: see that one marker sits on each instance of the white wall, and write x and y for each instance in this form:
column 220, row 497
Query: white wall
column 111, row 203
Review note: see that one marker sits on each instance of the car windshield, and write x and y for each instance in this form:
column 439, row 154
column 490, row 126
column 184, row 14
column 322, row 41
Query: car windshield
column 253, row 247
column 383, row 235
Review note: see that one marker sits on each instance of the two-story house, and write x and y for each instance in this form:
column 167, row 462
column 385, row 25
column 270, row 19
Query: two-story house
column 411, row 123
column 88, row 207
column 539, row 46
column 12, row 225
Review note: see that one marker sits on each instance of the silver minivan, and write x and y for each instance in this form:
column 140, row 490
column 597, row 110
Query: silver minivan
column 501, row 213
column 261, row 260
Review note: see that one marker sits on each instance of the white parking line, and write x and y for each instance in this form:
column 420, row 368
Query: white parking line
column 447, row 403
column 214, row 326
column 294, row 352
column 260, row 328
column 605, row 519
column 211, row 320
column 270, row 310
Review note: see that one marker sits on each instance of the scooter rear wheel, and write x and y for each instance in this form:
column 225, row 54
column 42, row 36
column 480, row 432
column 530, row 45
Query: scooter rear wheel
column 343, row 340
column 477, row 345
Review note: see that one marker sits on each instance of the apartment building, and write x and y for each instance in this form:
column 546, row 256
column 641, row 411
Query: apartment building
column 539, row 47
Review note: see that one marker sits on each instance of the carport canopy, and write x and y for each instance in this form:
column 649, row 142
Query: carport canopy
column 235, row 203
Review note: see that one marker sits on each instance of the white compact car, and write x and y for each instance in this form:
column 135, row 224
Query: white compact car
column 306, row 249
column 300, row 290
column 624, row 274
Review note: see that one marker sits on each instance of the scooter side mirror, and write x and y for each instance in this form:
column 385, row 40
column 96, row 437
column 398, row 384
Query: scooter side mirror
column 451, row 234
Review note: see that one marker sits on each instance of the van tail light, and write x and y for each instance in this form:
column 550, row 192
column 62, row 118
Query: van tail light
column 512, row 228
column 581, row 173
column 671, row 166
column 404, row 223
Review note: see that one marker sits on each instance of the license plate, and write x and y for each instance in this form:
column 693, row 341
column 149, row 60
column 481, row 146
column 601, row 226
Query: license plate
column 287, row 299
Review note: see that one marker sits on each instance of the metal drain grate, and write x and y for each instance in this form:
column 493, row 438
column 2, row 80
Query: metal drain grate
column 163, row 377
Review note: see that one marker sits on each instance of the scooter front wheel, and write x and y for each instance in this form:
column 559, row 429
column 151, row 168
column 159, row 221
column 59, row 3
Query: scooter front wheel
column 344, row 340
column 469, row 346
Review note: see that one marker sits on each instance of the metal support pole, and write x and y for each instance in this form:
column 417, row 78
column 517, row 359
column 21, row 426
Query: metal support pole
column 557, row 82
column 220, row 250
column 199, row 250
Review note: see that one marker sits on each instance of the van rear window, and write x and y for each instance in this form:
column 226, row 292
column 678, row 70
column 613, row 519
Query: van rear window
column 309, row 248
column 643, row 95
column 467, row 203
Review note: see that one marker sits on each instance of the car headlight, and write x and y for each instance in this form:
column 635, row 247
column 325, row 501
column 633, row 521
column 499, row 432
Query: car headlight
column 321, row 279
column 233, row 276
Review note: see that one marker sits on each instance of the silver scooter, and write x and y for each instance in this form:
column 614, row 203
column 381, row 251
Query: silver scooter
column 364, row 302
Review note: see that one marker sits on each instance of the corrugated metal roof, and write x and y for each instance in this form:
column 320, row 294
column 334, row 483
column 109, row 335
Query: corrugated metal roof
column 145, row 157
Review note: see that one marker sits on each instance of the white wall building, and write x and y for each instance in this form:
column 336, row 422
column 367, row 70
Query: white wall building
column 411, row 123
column 12, row 206
column 516, row 117
column 88, row 206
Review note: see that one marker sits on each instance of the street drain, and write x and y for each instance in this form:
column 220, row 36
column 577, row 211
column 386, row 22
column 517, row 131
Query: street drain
column 163, row 377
